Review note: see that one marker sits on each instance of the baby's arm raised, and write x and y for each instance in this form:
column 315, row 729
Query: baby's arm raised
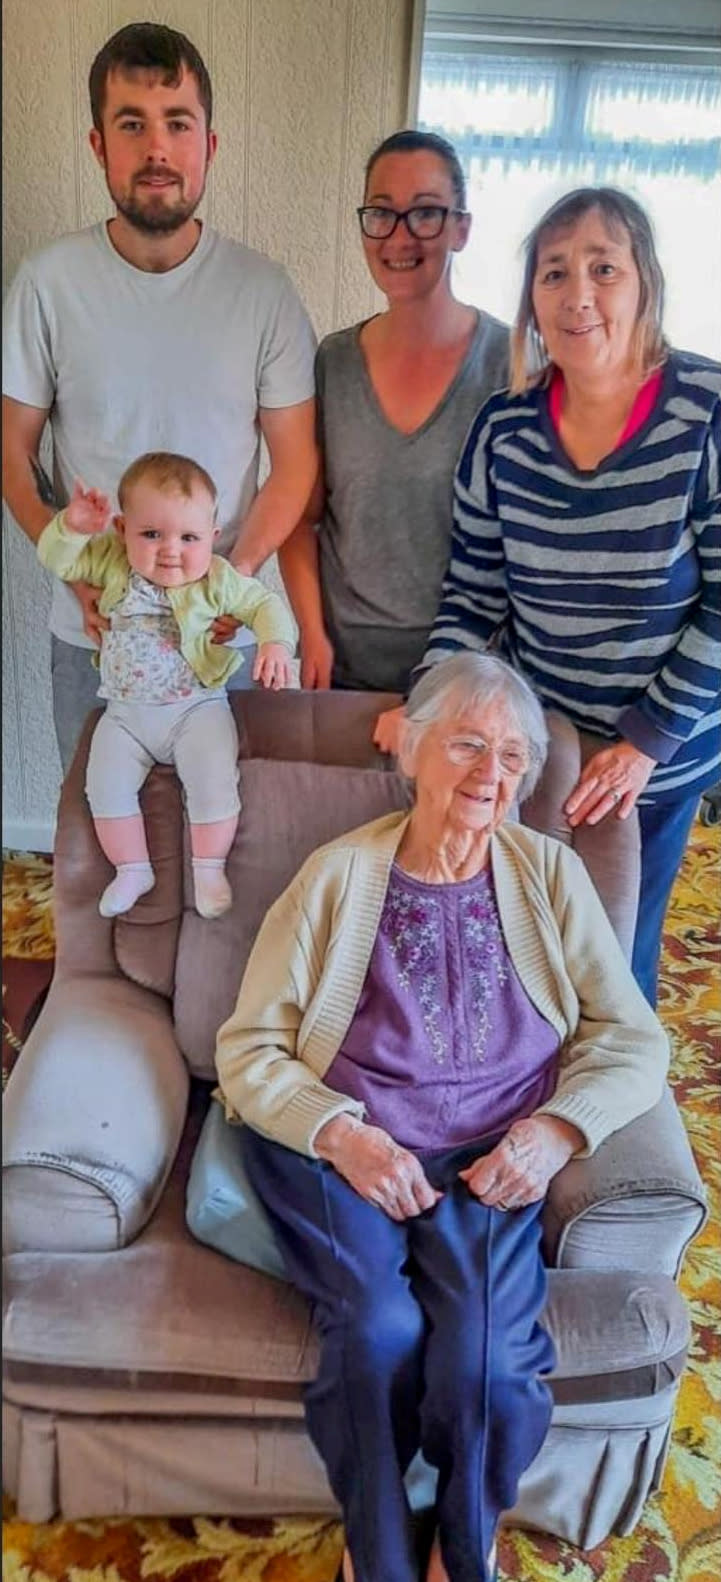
column 75, row 545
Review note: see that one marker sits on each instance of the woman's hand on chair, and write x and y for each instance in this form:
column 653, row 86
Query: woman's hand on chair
column 611, row 782
column 386, row 731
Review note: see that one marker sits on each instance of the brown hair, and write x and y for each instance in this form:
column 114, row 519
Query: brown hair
column 168, row 472
column 148, row 46
column 529, row 360
column 410, row 141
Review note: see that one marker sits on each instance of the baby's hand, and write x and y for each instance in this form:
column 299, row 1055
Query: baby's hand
column 89, row 511
column 272, row 666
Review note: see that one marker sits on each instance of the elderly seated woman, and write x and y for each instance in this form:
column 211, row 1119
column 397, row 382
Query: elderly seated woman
column 435, row 1017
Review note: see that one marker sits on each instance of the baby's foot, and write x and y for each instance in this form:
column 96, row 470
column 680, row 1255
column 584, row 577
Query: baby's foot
column 213, row 894
column 132, row 880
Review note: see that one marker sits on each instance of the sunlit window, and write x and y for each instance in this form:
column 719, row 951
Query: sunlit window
column 530, row 126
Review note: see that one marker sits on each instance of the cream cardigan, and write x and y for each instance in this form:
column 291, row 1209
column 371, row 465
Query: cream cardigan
column 308, row 965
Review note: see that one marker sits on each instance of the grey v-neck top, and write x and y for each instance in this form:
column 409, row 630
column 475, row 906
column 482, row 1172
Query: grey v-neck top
column 385, row 534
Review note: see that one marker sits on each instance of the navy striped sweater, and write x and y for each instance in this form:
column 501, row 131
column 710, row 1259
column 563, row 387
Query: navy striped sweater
column 602, row 587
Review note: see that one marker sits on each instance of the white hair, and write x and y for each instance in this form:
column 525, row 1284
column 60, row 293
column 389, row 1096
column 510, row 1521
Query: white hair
column 471, row 680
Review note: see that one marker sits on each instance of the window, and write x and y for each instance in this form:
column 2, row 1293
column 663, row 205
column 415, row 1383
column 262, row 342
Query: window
column 536, row 106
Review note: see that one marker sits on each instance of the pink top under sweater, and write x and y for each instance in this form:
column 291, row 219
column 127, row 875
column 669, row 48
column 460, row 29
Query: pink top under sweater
column 641, row 409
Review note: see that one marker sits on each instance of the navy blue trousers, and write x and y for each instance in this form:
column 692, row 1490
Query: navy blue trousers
column 665, row 829
column 429, row 1339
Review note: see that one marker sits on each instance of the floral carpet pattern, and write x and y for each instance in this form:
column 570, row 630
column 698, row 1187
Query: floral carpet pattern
column 679, row 1538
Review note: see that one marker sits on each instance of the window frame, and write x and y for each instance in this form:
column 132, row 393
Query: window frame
column 639, row 30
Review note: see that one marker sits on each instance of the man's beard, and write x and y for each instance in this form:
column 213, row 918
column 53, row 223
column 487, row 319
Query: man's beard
column 155, row 216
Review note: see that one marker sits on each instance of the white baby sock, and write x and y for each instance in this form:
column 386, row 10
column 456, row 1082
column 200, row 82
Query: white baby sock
column 132, row 880
column 213, row 894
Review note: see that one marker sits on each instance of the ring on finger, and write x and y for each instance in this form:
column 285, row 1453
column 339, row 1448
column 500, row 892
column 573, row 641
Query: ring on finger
column 615, row 796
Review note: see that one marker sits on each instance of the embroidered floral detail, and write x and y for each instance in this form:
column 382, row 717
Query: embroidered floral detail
column 484, row 955
column 413, row 927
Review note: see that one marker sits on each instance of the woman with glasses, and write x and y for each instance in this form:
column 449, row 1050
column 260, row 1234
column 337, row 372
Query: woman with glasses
column 396, row 395
column 587, row 533
column 435, row 1017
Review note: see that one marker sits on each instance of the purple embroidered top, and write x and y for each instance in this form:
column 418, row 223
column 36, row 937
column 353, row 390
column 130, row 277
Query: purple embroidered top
column 445, row 1045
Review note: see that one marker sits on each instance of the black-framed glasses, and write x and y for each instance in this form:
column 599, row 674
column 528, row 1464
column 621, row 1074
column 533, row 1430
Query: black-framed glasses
column 424, row 220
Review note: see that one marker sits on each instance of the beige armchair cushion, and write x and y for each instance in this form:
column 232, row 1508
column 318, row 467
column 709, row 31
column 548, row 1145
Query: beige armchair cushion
column 289, row 809
column 635, row 1204
column 93, row 1114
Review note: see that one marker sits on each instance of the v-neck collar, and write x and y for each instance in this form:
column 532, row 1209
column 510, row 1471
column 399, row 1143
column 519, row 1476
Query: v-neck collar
column 621, row 452
column 449, row 392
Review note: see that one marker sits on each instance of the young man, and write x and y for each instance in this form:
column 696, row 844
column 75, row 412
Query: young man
column 153, row 332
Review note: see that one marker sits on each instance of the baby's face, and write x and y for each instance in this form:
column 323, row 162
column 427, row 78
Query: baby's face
column 168, row 536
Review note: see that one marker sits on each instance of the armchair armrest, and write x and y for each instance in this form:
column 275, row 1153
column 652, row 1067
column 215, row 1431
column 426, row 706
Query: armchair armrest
column 94, row 1111
column 634, row 1204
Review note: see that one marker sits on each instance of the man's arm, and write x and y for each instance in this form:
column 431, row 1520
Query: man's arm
column 299, row 568
column 22, row 473
column 289, row 433
column 25, row 483
column 298, row 562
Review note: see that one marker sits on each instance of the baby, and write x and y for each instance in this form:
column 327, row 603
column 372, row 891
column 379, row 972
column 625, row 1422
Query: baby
column 160, row 671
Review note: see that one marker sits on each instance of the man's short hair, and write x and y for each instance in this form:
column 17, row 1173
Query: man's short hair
column 148, row 46
column 168, row 472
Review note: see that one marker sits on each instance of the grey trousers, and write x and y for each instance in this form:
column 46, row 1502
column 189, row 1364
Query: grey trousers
column 75, row 682
column 197, row 736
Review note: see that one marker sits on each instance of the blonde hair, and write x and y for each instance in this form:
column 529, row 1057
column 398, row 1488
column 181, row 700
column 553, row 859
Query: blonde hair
column 530, row 363
column 169, row 473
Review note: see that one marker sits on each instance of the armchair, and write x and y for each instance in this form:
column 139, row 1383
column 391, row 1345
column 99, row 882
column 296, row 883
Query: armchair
column 146, row 1373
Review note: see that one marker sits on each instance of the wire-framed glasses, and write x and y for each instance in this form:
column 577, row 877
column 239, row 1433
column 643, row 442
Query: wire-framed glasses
column 424, row 220
column 466, row 751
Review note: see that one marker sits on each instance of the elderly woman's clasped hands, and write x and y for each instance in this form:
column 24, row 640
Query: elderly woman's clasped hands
column 515, row 1173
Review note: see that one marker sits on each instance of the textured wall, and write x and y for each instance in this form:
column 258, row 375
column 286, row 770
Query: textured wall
column 303, row 90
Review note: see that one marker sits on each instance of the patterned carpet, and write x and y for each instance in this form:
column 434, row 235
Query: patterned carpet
column 679, row 1539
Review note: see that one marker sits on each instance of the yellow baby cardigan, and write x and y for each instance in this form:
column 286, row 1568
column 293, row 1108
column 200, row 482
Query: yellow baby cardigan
column 102, row 560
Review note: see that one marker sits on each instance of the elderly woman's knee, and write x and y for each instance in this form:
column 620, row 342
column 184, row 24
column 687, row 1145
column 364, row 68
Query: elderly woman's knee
column 384, row 1329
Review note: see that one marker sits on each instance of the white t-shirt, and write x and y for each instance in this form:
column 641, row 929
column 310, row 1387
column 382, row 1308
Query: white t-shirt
column 128, row 361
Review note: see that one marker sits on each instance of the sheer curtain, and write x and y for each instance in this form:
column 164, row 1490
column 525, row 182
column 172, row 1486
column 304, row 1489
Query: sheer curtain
column 528, row 126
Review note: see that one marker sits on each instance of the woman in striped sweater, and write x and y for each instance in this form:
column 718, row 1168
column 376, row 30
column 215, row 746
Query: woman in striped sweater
column 587, row 532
